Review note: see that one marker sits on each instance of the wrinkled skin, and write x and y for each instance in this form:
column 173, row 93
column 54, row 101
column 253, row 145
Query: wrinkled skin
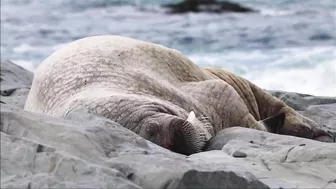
column 298, row 125
column 156, row 92
column 262, row 105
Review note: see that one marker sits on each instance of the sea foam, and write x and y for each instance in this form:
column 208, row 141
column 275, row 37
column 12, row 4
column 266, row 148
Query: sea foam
column 310, row 70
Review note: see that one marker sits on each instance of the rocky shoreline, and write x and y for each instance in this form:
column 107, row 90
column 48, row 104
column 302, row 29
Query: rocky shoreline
column 88, row 151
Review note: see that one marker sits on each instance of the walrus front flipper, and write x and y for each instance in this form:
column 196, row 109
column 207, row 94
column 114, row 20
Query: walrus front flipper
column 274, row 124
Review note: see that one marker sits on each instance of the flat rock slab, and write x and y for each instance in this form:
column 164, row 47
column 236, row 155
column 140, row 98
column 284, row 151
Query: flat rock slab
column 280, row 161
column 44, row 152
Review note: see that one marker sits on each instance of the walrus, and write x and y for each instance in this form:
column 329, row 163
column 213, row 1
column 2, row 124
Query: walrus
column 157, row 93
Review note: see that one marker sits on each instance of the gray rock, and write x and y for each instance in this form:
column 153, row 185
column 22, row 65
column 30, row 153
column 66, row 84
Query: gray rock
column 42, row 151
column 301, row 102
column 277, row 160
column 27, row 164
column 105, row 151
column 15, row 83
column 324, row 115
column 239, row 154
column 88, row 151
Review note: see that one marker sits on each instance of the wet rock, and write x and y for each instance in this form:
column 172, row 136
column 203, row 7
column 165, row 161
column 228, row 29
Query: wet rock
column 211, row 6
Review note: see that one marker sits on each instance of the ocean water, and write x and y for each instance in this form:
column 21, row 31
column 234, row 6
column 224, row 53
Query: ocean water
column 288, row 45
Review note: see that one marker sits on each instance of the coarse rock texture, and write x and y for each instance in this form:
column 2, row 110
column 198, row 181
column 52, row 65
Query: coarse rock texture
column 88, row 151
column 15, row 83
column 41, row 151
column 293, row 162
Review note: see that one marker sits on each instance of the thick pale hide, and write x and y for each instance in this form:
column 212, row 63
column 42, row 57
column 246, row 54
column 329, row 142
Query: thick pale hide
column 154, row 91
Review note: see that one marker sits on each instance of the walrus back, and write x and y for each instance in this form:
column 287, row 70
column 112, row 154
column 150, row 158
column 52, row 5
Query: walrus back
column 112, row 63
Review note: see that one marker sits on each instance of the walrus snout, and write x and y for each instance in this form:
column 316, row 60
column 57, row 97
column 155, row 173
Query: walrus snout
column 173, row 133
column 323, row 136
column 179, row 135
column 184, row 137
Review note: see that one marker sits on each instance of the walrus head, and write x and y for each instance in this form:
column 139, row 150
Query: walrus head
column 179, row 135
column 296, row 125
column 301, row 126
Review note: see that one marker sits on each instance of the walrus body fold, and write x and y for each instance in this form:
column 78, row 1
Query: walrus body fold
column 154, row 91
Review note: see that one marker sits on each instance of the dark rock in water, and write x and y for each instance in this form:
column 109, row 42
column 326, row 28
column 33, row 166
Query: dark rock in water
column 15, row 83
column 212, row 6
